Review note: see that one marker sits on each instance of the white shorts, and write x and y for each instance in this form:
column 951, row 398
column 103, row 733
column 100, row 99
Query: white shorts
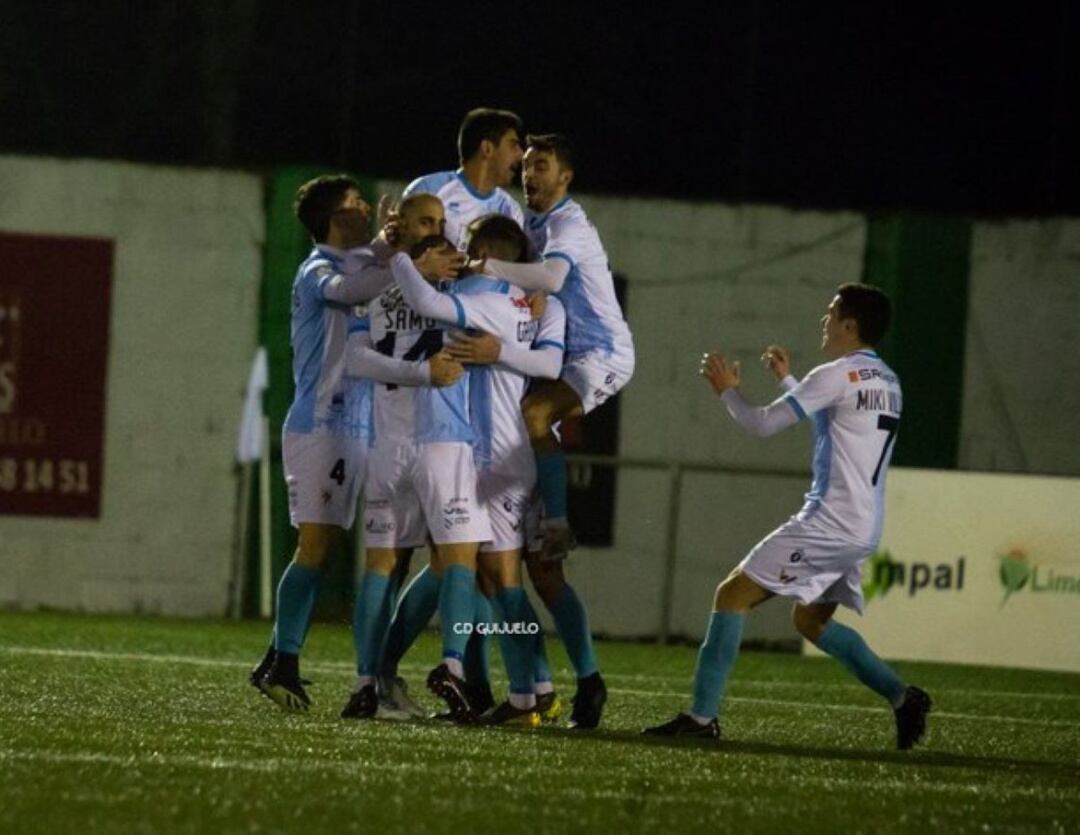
column 506, row 497
column 324, row 475
column 418, row 489
column 595, row 377
column 807, row 561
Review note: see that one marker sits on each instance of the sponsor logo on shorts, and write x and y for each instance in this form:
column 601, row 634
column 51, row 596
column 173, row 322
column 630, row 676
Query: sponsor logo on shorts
column 609, row 379
column 326, row 497
column 796, row 556
column 456, row 513
column 785, row 577
column 380, row 526
column 600, row 396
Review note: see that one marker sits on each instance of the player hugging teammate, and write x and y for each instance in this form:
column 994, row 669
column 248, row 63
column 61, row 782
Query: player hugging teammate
column 419, row 403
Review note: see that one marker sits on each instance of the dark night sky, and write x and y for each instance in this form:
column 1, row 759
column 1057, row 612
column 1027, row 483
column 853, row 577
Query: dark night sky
column 847, row 106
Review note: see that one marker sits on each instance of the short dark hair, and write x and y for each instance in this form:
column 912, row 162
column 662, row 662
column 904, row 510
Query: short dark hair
column 484, row 123
column 553, row 143
column 501, row 235
column 869, row 307
column 318, row 199
column 430, row 242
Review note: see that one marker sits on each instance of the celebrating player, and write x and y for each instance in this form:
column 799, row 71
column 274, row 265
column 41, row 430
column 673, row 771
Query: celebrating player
column 816, row 556
column 599, row 362
column 489, row 148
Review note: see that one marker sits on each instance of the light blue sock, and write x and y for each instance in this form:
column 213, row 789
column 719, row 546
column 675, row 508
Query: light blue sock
column 516, row 648
column 478, row 650
column 414, row 610
column 715, row 660
column 370, row 619
column 541, row 668
column 551, row 481
column 573, row 625
column 456, row 606
column 847, row 646
column 295, row 599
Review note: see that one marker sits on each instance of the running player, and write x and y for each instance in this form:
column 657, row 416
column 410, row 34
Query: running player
column 816, row 556
column 503, row 454
column 489, row 148
column 599, row 362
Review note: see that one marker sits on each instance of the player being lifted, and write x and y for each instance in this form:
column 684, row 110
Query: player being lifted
column 325, row 431
column 816, row 556
column 489, row 148
column 599, row 362
column 503, row 454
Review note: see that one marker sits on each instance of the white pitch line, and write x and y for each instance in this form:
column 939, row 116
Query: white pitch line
column 341, row 667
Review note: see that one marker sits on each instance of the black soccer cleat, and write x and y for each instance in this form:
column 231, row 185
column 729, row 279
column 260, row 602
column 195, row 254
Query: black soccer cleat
column 362, row 704
column 283, row 684
column 686, row 726
column 258, row 673
column 588, row 702
column 480, row 697
column 451, row 690
column 911, row 717
column 512, row 717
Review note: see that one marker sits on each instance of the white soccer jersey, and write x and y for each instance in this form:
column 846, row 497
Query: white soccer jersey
column 594, row 319
column 855, row 402
column 422, row 414
column 462, row 203
column 326, row 402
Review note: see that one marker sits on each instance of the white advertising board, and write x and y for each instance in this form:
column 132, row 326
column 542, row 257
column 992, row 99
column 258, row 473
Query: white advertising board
column 976, row 569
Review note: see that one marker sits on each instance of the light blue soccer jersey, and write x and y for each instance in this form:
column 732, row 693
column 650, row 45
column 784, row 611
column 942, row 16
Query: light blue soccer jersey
column 421, row 414
column 855, row 403
column 594, row 320
column 462, row 203
column 326, row 402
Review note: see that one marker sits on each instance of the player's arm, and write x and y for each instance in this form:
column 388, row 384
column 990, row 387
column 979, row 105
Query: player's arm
column 421, row 296
column 360, row 280
column 544, row 359
column 724, row 377
column 548, row 275
column 362, row 360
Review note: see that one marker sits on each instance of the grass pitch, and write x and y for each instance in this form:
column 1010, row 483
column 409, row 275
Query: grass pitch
column 112, row 724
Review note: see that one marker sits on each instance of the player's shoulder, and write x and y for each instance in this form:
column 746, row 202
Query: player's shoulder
column 867, row 366
column 475, row 285
column 505, row 204
column 316, row 266
column 430, row 183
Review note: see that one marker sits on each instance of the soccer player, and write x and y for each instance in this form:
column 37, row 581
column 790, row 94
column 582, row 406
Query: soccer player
column 815, row 557
column 489, row 148
column 422, row 476
column 325, row 431
column 599, row 362
column 503, row 454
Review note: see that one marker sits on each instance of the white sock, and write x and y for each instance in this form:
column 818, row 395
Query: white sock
column 362, row 682
column 699, row 719
column 523, row 701
column 454, row 666
column 542, row 688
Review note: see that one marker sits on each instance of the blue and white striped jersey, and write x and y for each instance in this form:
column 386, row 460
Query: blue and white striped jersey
column 594, row 320
column 855, row 403
column 462, row 203
column 323, row 298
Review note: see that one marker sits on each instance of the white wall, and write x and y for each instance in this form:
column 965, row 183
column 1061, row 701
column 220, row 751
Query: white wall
column 1022, row 356
column 188, row 258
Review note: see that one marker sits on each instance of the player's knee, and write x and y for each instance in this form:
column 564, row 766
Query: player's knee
column 547, row 579
column 539, row 416
column 807, row 622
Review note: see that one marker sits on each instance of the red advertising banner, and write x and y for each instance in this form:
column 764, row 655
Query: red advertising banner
column 54, row 345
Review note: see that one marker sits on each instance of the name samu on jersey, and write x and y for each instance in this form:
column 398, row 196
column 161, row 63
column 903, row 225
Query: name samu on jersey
column 855, row 403
column 420, row 414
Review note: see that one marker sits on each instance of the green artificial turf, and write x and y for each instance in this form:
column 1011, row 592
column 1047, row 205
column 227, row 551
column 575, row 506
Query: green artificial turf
column 124, row 724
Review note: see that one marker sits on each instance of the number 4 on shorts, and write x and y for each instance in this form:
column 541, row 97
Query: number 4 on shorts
column 338, row 473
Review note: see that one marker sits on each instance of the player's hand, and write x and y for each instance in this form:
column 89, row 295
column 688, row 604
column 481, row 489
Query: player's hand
column 482, row 349
column 721, row 374
column 439, row 263
column 444, row 370
column 777, row 360
column 388, row 220
column 538, row 304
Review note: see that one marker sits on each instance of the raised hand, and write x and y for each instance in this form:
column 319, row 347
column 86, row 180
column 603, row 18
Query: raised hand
column 777, row 361
column 721, row 374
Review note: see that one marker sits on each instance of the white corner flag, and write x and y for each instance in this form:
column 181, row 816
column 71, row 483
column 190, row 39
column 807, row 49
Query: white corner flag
column 249, row 443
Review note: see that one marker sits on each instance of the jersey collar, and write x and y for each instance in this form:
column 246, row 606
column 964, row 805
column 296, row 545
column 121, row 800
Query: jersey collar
column 460, row 174
column 536, row 221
